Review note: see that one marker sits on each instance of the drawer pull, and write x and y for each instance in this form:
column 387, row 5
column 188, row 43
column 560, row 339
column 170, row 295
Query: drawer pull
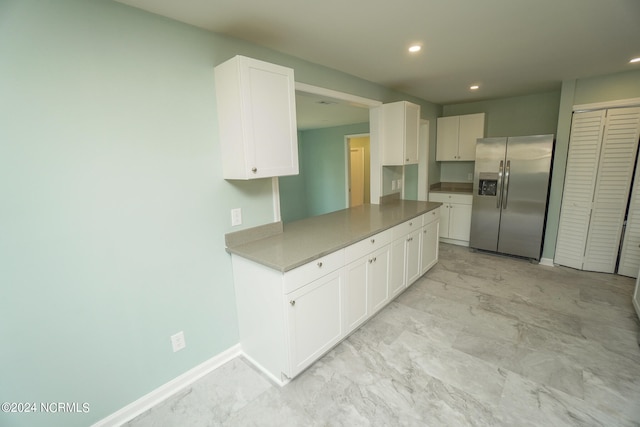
column 292, row 302
column 373, row 241
column 320, row 264
column 254, row 170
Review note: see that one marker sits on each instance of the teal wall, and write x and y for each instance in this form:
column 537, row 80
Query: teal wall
column 578, row 92
column 320, row 187
column 514, row 116
column 113, row 206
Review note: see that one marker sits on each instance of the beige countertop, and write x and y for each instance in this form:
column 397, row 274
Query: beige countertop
column 452, row 187
column 303, row 241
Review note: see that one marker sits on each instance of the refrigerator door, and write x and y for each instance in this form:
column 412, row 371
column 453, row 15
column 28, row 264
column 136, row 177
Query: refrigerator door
column 524, row 200
column 487, row 186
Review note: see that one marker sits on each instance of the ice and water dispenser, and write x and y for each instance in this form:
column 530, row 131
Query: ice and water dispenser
column 487, row 184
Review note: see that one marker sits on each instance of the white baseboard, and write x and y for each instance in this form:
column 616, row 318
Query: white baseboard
column 167, row 390
column 546, row 261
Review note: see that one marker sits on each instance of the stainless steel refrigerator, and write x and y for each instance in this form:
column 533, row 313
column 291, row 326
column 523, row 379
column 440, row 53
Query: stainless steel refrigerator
column 510, row 188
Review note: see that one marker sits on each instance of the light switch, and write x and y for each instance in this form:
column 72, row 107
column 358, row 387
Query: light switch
column 236, row 216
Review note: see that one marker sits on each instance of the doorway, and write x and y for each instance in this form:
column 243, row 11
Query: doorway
column 358, row 169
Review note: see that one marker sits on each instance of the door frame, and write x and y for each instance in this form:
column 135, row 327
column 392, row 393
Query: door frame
column 347, row 166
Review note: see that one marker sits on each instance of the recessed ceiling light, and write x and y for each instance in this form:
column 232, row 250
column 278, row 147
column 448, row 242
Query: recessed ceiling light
column 634, row 60
column 474, row 87
column 415, row 48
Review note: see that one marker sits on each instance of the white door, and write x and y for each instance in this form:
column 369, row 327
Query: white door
column 615, row 170
column 579, row 183
column 356, row 176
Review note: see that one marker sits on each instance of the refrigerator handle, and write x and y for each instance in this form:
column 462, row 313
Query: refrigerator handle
column 500, row 171
column 507, row 172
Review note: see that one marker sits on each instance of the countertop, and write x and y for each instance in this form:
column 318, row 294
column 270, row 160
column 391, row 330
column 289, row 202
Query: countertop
column 452, row 187
column 303, row 241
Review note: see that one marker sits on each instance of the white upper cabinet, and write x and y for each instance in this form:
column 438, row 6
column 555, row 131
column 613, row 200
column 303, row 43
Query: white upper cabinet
column 257, row 119
column 457, row 135
column 400, row 127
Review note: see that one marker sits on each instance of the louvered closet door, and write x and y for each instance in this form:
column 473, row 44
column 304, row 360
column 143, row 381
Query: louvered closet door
column 580, row 179
column 630, row 254
column 617, row 160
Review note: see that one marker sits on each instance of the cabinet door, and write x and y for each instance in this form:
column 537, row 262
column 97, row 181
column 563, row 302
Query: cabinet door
column 445, row 209
column 447, row 138
column 412, row 256
column 471, row 128
column 378, row 279
column 314, row 320
column 271, row 111
column 396, row 267
column 429, row 250
column 356, row 306
column 412, row 123
column 460, row 221
column 257, row 119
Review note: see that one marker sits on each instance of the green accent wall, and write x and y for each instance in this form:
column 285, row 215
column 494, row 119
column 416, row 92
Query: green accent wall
column 320, row 187
column 113, row 206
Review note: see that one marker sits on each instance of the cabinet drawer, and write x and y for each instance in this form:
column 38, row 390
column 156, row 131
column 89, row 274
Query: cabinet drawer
column 463, row 199
column 366, row 246
column 431, row 216
column 406, row 227
column 313, row 270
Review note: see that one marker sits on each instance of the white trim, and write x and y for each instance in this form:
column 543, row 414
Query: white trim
column 347, row 163
column 278, row 381
column 423, row 161
column 330, row 93
column 547, row 261
column 618, row 103
column 168, row 389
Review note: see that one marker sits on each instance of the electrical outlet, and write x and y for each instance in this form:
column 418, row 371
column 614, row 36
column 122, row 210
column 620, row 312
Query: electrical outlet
column 470, row 177
column 393, row 184
column 178, row 342
column 399, row 186
column 236, row 216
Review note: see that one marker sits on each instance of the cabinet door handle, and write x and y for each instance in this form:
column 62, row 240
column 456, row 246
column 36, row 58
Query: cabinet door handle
column 254, row 170
column 292, row 302
column 375, row 259
column 320, row 264
column 370, row 260
column 373, row 241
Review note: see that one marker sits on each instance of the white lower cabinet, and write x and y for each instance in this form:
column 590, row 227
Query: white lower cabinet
column 397, row 280
column 289, row 320
column 455, row 220
column 430, row 238
column 314, row 320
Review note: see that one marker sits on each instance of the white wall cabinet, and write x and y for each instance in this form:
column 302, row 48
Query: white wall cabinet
column 400, row 124
column 288, row 320
column 455, row 217
column 256, row 118
column 456, row 137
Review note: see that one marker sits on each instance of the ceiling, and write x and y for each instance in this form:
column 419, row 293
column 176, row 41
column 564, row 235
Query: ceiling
column 508, row 47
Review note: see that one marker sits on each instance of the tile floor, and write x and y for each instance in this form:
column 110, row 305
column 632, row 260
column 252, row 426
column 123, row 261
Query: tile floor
column 479, row 340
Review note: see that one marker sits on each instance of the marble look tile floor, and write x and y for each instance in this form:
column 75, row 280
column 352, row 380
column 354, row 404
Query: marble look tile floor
column 480, row 340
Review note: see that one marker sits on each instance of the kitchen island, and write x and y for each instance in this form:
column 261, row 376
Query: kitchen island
column 304, row 286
